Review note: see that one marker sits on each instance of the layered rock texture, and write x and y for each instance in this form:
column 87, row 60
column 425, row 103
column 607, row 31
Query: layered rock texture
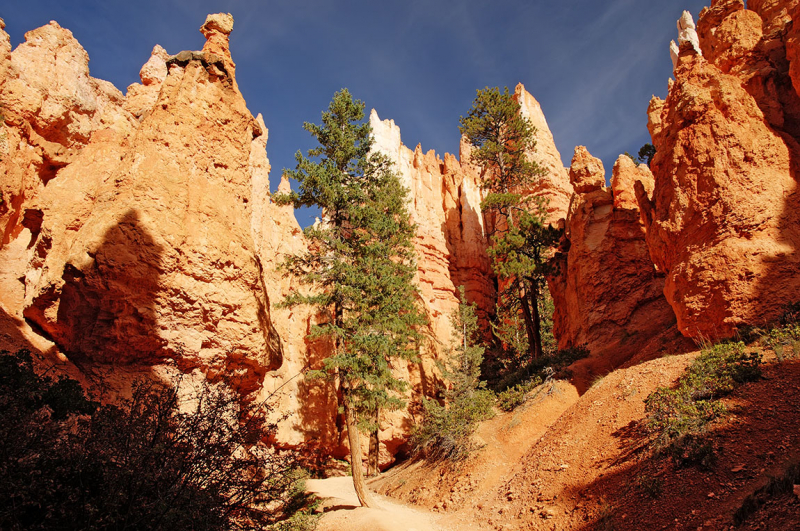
column 723, row 222
column 446, row 206
column 155, row 258
column 138, row 232
column 607, row 293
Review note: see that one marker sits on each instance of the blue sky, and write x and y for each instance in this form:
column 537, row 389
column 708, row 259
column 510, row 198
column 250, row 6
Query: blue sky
column 593, row 65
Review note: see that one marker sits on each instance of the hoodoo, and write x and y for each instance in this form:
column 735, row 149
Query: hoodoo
column 723, row 221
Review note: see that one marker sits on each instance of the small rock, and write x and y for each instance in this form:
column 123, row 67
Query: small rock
column 711, row 494
column 220, row 22
column 737, row 469
column 548, row 514
column 797, row 490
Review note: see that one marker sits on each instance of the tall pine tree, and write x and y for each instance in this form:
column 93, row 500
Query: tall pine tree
column 503, row 139
column 360, row 267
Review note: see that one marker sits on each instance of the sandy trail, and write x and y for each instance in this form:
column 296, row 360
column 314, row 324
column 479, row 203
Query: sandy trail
column 343, row 513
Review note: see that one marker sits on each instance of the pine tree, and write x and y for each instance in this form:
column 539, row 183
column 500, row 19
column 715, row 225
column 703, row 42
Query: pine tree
column 360, row 266
column 446, row 430
column 503, row 139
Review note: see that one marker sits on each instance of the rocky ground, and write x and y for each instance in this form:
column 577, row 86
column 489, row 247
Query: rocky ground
column 564, row 462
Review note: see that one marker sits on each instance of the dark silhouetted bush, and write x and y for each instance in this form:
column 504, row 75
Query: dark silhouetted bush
column 171, row 457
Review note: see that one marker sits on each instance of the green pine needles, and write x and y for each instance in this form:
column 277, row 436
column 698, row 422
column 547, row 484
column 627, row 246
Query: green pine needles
column 522, row 242
column 446, row 430
column 360, row 266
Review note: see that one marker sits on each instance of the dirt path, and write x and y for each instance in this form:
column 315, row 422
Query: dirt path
column 343, row 513
column 458, row 492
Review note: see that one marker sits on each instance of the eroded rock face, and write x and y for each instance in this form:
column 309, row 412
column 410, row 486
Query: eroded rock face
column 792, row 40
column 143, row 229
column 162, row 265
column 451, row 243
column 724, row 216
column 776, row 14
column 51, row 108
column 555, row 184
column 586, row 173
column 607, row 294
column 141, row 98
column 687, row 32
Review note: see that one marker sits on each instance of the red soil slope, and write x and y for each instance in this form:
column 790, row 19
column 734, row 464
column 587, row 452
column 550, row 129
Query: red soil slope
column 591, row 467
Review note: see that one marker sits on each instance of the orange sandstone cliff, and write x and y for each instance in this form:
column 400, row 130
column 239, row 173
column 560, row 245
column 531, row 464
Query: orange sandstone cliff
column 723, row 222
column 138, row 233
column 607, row 294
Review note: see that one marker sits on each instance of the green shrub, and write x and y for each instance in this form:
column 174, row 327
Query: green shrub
column 543, row 368
column 720, row 368
column 446, row 429
column 446, row 432
column 146, row 464
column 784, row 341
column 679, row 417
column 513, row 397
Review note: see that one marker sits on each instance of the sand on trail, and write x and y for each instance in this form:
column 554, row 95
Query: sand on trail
column 343, row 512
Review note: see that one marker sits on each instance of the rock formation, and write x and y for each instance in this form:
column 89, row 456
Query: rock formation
column 51, row 109
column 607, row 294
column 554, row 185
column 723, row 222
column 446, row 198
column 138, row 231
column 451, row 243
column 155, row 259
column 687, row 33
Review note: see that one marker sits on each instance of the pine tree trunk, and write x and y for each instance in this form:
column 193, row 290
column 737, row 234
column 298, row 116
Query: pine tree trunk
column 529, row 325
column 356, row 466
column 374, row 447
column 537, row 322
